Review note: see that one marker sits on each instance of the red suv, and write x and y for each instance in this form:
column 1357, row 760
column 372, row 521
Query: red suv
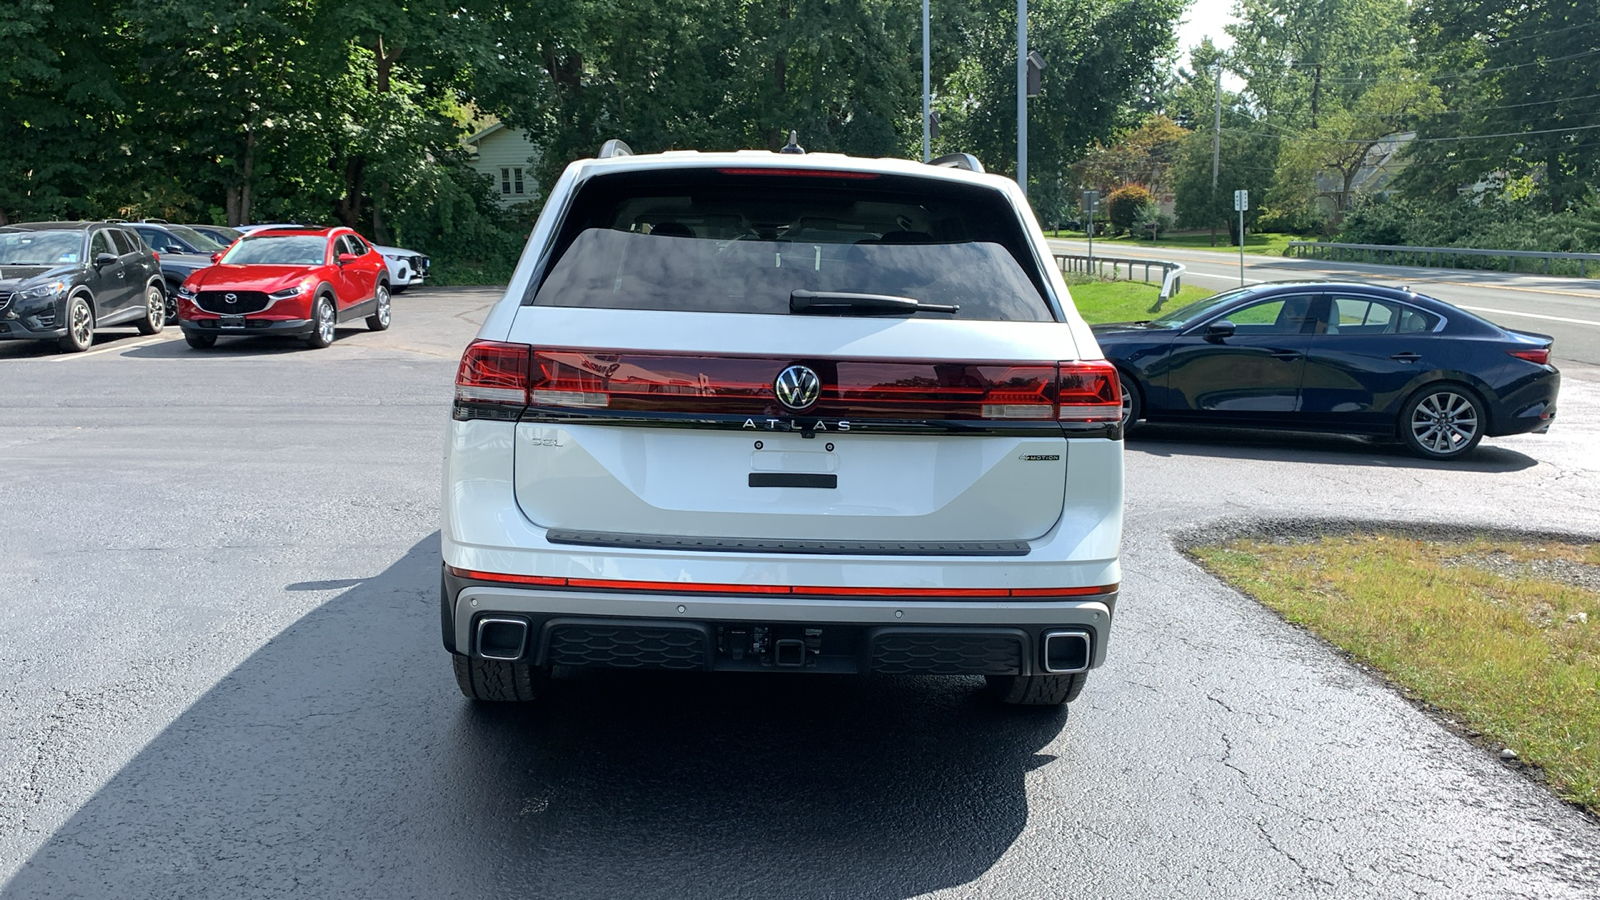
column 300, row 282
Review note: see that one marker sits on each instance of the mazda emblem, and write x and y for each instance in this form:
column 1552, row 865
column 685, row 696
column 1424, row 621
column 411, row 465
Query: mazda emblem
column 230, row 299
column 797, row 387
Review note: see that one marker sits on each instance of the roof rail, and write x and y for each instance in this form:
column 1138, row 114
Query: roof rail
column 614, row 147
column 958, row 161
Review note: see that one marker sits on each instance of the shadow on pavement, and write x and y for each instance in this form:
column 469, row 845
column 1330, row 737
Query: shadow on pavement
column 31, row 349
column 234, row 347
column 340, row 760
column 1167, row 440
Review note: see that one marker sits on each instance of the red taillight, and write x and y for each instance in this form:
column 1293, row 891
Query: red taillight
column 799, row 173
column 494, row 372
column 622, row 381
column 1089, row 392
column 156, row 255
column 1541, row 356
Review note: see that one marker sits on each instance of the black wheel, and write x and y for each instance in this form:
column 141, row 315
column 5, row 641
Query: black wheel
column 1442, row 421
column 496, row 681
column 155, row 310
column 80, row 326
column 1037, row 690
column 1131, row 407
column 200, row 341
column 172, row 303
column 379, row 320
column 323, row 323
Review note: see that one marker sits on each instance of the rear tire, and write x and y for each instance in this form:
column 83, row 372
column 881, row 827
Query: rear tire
column 1037, row 690
column 497, row 681
column 1443, row 421
column 200, row 341
column 155, row 311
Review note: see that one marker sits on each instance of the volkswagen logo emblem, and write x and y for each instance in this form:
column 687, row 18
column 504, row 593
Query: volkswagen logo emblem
column 797, row 387
column 230, row 299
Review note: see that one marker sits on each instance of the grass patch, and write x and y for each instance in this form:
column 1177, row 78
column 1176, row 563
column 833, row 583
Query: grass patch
column 1125, row 301
column 1503, row 637
column 1266, row 244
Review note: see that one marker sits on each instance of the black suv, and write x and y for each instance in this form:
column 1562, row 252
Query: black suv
column 62, row 280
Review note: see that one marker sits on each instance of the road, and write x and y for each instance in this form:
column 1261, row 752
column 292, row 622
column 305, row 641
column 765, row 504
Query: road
column 1568, row 309
column 222, row 678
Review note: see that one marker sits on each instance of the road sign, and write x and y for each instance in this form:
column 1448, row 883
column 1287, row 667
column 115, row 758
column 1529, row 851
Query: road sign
column 1091, row 201
column 1241, row 201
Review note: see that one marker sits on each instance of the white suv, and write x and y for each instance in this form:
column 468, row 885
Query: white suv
column 766, row 412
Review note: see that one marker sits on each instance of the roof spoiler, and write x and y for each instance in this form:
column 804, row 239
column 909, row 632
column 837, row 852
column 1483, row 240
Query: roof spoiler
column 614, row 148
column 958, row 161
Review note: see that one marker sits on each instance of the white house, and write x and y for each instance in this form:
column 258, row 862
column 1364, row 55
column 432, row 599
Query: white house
column 505, row 155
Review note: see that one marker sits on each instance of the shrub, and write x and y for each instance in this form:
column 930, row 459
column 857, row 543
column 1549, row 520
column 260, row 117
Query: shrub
column 1124, row 203
column 1151, row 221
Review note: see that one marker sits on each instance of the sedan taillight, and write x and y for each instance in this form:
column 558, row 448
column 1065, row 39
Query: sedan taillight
column 1541, row 356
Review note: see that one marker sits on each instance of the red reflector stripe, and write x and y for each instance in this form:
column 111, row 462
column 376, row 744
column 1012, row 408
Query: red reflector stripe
column 801, row 173
column 688, row 587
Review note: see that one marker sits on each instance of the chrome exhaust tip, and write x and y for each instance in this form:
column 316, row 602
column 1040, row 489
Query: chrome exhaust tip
column 1066, row 652
column 502, row 637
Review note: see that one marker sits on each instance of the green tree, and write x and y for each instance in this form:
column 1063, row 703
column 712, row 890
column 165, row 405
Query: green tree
column 62, row 107
column 1518, row 84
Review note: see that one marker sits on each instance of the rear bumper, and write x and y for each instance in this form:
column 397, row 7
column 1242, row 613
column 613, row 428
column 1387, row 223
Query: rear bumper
column 703, row 633
column 1529, row 405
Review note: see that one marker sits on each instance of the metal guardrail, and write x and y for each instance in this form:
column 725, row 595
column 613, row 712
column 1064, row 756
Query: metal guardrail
column 1083, row 264
column 1426, row 255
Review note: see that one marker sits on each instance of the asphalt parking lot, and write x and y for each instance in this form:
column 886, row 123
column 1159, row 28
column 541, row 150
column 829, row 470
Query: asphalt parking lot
column 222, row 678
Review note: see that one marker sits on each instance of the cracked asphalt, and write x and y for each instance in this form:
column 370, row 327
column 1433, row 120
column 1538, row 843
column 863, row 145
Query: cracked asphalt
column 221, row 677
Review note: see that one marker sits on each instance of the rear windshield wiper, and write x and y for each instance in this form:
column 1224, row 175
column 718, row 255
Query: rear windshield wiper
column 840, row 303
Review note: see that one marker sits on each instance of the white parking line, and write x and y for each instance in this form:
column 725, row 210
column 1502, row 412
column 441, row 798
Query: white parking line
column 1526, row 315
column 72, row 356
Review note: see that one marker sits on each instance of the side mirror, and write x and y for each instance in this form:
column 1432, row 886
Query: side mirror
column 346, row 258
column 216, row 257
column 1219, row 329
column 105, row 259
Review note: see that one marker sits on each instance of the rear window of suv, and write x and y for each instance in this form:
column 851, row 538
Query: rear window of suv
column 713, row 241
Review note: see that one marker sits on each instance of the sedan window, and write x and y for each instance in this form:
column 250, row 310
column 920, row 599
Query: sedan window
column 1278, row 315
column 1352, row 315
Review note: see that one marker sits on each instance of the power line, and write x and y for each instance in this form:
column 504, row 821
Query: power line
column 1477, row 109
column 1446, row 75
column 1418, row 140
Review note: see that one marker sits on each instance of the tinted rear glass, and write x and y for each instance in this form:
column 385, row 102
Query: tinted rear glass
column 708, row 241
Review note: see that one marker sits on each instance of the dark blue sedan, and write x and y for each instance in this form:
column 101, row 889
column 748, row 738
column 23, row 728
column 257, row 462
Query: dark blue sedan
column 1330, row 356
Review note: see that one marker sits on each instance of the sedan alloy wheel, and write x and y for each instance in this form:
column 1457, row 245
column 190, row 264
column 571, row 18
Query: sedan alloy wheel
column 1443, row 423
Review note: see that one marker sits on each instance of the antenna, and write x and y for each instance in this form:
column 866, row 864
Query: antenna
column 614, row 147
column 794, row 144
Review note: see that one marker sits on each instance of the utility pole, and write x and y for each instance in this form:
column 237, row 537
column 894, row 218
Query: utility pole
column 927, row 100
column 1022, row 95
column 1216, row 152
